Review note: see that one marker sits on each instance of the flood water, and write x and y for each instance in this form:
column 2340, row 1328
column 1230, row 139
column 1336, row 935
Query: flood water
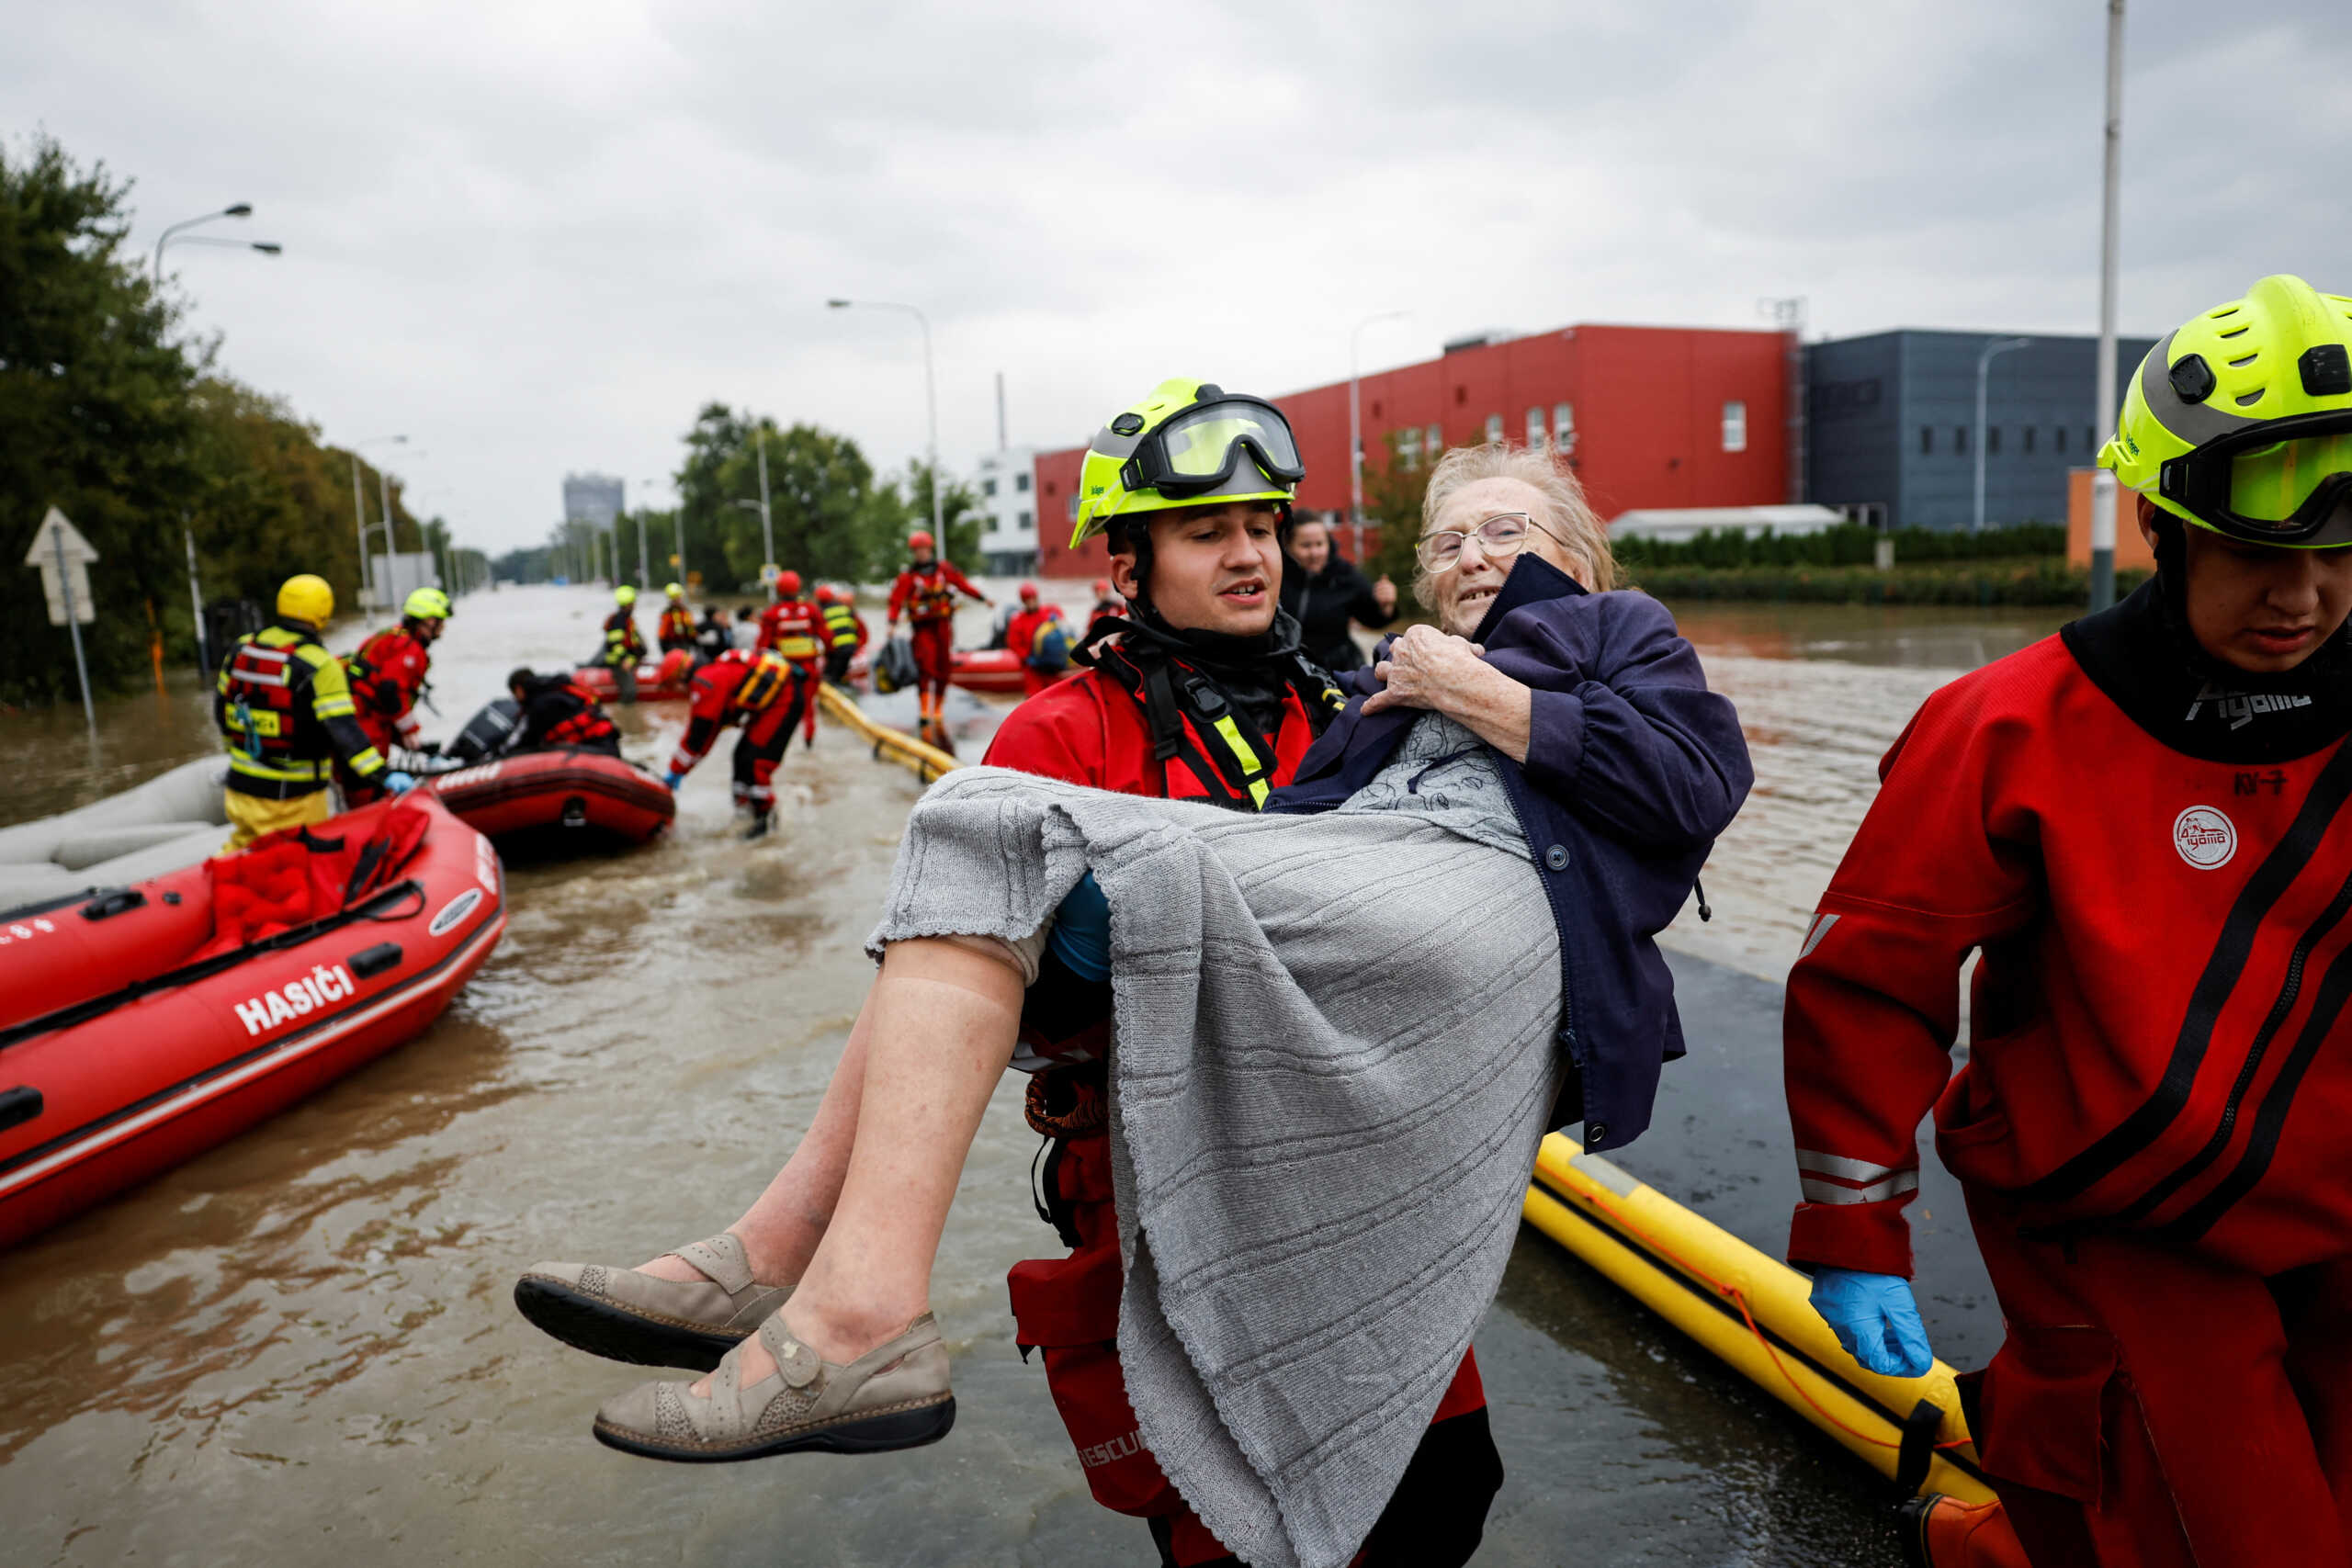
column 301, row 1346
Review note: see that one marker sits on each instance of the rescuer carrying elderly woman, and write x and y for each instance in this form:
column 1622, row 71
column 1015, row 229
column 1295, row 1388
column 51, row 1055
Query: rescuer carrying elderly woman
column 2141, row 824
column 1341, row 1026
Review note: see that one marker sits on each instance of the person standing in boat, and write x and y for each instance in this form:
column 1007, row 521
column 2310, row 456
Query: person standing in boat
column 1041, row 663
column 2141, row 825
column 284, row 707
column 676, row 628
column 925, row 594
column 624, row 644
column 388, row 673
column 845, row 629
column 1108, row 605
column 1323, row 591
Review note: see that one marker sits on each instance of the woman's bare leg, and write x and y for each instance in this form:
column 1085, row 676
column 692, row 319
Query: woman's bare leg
column 781, row 1229
column 940, row 1026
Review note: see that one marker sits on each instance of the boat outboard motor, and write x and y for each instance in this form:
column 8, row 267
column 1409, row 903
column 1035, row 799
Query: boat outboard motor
column 490, row 733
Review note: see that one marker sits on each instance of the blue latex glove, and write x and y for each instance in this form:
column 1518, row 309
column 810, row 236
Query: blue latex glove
column 400, row 782
column 672, row 781
column 1875, row 1318
column 1082, row 933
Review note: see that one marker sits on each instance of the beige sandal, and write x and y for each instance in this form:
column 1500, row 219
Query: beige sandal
column 894, row 1396
column 634, row 1317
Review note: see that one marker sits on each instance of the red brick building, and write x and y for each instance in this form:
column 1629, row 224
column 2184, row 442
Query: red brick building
column 1651, row 416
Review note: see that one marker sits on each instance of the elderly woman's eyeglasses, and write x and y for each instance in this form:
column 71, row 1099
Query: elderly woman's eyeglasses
column 1499, row 535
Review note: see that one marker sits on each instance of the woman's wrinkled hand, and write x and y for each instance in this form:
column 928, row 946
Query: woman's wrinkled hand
column 1425, row 668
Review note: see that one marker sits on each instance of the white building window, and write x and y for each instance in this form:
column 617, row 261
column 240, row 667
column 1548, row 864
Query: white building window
column 1435, row 441
column 1028, row 520
column 1494, row 429
column 1535, row 427
column 1734, row 426
column 1564, row 426
column 1073, row 506
column 1408, row 447
column 1021, row 484
column 988, row 487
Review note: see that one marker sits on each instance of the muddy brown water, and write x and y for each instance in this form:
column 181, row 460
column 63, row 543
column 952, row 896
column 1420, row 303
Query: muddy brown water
column 301, row 1345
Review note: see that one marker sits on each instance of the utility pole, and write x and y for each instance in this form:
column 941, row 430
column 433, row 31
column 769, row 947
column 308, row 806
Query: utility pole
column 2102, row 479
column 196, row 597
column 768, row 523
column 1000, row 442
column 1983, row 370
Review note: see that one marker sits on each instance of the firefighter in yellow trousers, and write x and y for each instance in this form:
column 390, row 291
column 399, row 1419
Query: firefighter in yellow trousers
column 285, row 710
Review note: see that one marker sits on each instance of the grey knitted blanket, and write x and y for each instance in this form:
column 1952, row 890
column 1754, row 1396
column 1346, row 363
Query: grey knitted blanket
column 1334, row 1062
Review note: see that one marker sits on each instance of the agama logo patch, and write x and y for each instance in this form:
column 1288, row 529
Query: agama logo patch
column 2242, row 708
column 2205, row 839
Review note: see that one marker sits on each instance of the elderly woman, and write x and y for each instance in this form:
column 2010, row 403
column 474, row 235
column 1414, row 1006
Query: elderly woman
column 1322, row 591
column 1342, row 1027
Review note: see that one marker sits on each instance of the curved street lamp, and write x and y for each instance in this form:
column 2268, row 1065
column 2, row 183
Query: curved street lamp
column 931, row 402
column 1983, row 370
column 239, row 210
column 359, row 515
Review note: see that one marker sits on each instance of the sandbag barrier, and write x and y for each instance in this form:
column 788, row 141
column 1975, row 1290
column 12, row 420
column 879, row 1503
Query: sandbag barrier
column 1749, row 1310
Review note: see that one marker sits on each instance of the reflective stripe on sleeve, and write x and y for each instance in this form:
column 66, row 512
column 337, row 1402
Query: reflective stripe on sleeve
column 1818, row 1191
column 1814, row 1162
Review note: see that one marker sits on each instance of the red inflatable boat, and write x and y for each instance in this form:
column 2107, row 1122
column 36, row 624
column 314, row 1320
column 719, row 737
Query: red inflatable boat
column 140, row 1026
column 655, row 682
column 554, row 793
column 996, row 670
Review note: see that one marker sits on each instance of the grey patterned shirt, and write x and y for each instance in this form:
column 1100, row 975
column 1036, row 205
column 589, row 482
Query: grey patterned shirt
column 1444, row 773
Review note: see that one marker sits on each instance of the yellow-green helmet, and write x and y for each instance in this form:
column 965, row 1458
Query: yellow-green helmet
column 306, row 597
column 1188, row 443
column 675, row 591
column 2240, row 420
column 623, row 595
column 426, row 605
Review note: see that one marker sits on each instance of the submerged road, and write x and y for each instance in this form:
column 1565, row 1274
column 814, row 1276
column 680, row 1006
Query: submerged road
column 301, row 1345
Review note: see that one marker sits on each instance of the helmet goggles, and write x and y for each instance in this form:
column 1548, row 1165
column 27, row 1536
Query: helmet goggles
column 2283, row 482
column 1201, row 450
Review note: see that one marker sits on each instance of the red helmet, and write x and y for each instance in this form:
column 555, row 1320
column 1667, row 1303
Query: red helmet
column 787, row 584
column 824, row 594
column 1029, row 593
column 921, row 539
column 1101, row 588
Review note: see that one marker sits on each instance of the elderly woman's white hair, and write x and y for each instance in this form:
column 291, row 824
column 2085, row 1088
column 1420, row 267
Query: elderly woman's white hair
column 1566, row 511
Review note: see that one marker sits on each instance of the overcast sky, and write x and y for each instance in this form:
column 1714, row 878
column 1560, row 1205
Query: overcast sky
column 537, row 237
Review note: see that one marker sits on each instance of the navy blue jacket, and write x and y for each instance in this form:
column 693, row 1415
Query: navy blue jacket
column 1632, row 768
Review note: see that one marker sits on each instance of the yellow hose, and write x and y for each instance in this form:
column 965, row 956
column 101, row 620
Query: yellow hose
column 1748, row 1309
column 889, row 745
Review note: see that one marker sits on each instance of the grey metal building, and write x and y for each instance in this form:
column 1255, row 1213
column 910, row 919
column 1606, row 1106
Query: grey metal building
column 1891, row 424
column 592, row 498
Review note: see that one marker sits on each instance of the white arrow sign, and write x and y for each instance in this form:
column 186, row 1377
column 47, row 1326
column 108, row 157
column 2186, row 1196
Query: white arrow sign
column 64, row 558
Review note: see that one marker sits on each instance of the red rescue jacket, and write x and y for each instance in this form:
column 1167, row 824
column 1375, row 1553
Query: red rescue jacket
column 676, row 628
column 727, row 691
column 925, row 593
column 794, row 627
column 387, row 673
column 2157, row 868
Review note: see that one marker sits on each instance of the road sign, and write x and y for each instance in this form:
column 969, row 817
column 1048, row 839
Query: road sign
column 770, row 572
column 64, row 558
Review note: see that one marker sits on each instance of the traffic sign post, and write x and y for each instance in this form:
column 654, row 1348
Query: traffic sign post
column 64, row 558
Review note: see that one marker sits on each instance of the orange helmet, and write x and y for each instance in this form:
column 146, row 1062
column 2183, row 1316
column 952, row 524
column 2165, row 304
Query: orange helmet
column 1101, row 588
column 1028, row 593
column 921, row 539
column 824, row 594
column 787, row 584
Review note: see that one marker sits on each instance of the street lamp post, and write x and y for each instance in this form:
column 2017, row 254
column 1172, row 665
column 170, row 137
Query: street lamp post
column 1355, row 425
column 360, row 514
column 240, row 210
column 1983, row 370
column 678, row 527
column 931, row 403
column 2103, row 479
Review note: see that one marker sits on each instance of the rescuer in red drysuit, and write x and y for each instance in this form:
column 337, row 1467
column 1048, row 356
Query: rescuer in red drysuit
column 1205, row 645
column 1021, row 636
column 2141, row 823
column 1107, row 604
column 925, row 593
column 386, row 672
column 764, row 693
column 559, row 712
column 795, row 628
column 676, row 626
